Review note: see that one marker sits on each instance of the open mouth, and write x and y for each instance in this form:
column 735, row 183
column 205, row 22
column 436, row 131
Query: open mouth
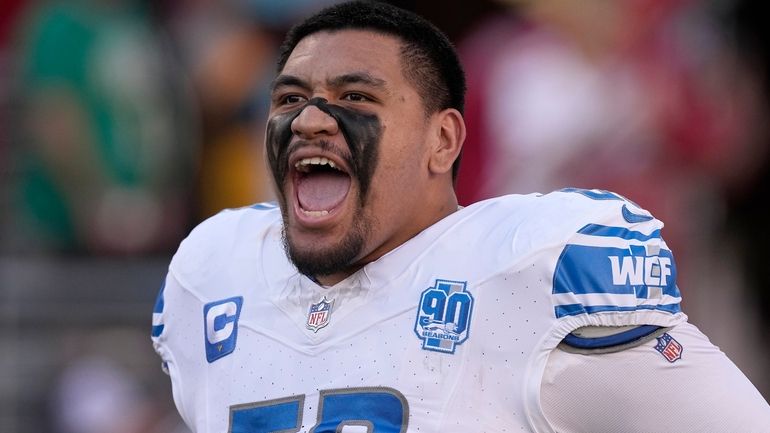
column 320, row 185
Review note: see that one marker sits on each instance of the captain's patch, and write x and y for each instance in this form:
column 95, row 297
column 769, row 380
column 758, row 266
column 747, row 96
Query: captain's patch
column 444, row 316
column 220, row 320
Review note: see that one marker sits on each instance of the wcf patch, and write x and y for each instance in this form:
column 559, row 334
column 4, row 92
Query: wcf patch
column 220, row 320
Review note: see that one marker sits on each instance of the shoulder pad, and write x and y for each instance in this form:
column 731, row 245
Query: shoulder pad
column 214, row 242
column 616, row 262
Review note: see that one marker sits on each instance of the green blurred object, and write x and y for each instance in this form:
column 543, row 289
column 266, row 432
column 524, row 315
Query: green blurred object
column 101, row 118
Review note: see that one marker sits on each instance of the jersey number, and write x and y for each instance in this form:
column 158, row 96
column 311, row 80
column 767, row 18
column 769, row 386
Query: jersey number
column 354, row 410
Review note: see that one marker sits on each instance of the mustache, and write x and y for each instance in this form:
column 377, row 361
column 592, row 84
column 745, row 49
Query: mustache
column 323, row 145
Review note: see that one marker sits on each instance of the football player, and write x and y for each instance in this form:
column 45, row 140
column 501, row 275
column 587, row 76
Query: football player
column 366, row 300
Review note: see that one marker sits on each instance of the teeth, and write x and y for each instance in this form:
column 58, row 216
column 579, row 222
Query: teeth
column 315, row 213
column 303, row 163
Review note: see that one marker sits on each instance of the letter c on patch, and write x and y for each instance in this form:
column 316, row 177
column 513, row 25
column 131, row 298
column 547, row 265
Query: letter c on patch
column 221, row 326
column 219, row 321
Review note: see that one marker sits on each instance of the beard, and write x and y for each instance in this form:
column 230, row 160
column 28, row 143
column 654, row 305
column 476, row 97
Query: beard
column 332, row 259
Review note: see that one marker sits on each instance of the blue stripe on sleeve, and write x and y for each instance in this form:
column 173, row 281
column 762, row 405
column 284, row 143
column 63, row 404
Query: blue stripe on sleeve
column 634, row 218
column 159, row 302
column 157, row 329
column 595, row 194
column 265, row 205
column 575, row 309
column 617, row 232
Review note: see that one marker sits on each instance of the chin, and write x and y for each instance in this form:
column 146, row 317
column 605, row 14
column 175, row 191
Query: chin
column 316, row 258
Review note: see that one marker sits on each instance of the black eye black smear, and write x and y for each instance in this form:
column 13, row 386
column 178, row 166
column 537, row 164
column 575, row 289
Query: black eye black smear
column 362, row 132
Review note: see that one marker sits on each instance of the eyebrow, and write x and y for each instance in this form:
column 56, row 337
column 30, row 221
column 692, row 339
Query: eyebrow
column 289, row 80
column 357, row 78
column 339, row 81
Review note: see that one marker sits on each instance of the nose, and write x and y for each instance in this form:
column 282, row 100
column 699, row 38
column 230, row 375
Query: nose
column 312, row 122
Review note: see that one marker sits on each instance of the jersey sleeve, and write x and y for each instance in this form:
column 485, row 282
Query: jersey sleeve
column 174, row 339
column 679, row 382
column 177, row 331
column 177, row 325
column 615, row 269
column 192, row 316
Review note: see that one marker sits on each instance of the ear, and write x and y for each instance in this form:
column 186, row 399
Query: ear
column 449, row 139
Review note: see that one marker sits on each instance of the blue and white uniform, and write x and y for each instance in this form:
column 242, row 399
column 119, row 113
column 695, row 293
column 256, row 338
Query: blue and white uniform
column 450, row 332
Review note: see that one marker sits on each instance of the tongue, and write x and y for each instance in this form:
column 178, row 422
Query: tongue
column 322, row 190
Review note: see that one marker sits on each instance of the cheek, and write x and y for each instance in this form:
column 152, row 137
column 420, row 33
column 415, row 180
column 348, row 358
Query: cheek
column 405, row 152
column 400, row 177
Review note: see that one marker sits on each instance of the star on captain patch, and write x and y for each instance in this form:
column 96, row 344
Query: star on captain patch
column 318, row 316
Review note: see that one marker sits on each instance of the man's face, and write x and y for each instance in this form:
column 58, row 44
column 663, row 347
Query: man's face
column 346, row 146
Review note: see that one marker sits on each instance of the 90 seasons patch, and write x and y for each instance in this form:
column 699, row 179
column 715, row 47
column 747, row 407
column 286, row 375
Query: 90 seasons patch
column 444, row 316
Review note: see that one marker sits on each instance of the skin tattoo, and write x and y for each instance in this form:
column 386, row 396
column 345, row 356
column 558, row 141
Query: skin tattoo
column 362, row 132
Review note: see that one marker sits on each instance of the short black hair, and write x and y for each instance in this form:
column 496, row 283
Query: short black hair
column 430, row 61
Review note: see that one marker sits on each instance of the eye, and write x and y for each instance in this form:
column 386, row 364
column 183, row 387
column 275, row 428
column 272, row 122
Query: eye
column 291, row 99
column 281, row 99
column 356, row 97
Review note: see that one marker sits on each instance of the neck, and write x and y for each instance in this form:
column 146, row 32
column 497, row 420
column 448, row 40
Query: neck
column 441, row 210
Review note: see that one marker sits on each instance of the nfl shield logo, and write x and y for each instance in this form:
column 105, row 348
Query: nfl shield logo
column 319, row 313
column 669, row 347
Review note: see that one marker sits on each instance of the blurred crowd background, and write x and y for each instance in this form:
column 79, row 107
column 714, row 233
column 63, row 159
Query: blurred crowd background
column 124, row 123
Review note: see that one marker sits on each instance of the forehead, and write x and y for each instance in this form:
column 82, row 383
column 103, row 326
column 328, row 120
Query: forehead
column 324, row 55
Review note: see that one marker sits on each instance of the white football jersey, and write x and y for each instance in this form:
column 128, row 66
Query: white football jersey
column 449, row 332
